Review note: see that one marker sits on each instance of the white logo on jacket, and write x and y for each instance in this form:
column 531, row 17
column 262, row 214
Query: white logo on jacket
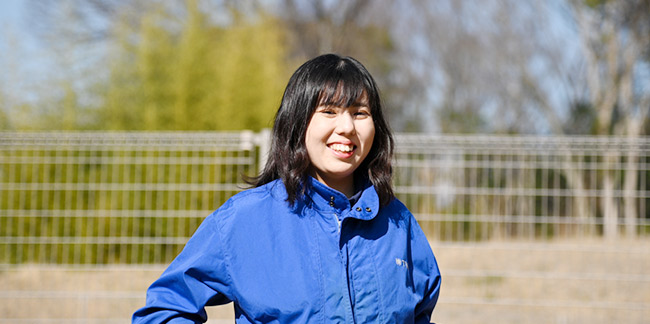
column 401, row 263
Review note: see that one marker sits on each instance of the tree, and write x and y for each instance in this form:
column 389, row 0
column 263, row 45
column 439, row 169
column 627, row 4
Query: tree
column 357, row 28
column 514, row 67
column 615, row 39
column 171, row 65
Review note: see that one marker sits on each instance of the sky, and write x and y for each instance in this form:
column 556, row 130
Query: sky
column 11, row 12
column 9, row 9
column 22, row 61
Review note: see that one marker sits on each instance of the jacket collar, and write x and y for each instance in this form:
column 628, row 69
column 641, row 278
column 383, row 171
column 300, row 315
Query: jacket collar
column 326, row 199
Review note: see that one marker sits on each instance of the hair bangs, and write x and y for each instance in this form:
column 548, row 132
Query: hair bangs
column 343, row 91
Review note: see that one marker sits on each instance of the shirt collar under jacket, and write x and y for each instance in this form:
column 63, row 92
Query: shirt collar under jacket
column 325, row 198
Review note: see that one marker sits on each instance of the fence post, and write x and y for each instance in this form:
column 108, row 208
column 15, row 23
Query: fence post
column 264, row 143
column 609, row 199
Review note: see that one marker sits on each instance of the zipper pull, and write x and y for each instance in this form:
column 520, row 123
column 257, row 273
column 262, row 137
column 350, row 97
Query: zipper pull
column 338, row 221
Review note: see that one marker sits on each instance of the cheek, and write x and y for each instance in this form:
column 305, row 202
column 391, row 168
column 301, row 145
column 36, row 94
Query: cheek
column 315, row 129
column 313, row 139
column 309, row 135
column 309, row 143
column 369, row 136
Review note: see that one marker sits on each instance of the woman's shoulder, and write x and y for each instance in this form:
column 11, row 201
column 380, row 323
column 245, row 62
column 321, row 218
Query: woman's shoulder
column 265, row 196
column 399, row 213
column 268, row 193
column 396, row 206
column 272, row 190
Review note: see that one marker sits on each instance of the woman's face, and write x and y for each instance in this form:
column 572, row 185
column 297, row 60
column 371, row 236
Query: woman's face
column 338, row 140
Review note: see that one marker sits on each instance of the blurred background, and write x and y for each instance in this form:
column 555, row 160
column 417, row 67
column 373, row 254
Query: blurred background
column 522, row 131
column 508, row 67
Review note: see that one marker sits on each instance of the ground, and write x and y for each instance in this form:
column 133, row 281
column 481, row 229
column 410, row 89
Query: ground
column 568, row 281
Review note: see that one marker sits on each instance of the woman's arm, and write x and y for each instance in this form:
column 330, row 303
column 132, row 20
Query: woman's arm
column 198, row 277
column 425, row 307
column 431, row 276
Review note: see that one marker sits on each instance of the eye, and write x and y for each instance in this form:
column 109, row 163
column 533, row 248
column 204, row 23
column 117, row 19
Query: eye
column 362, row 113
column 328, row 111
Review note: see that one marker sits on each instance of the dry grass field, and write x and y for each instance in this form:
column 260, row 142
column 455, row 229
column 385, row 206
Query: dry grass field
column 586, row 281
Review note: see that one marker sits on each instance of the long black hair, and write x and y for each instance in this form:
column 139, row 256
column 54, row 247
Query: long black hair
column 333, row 80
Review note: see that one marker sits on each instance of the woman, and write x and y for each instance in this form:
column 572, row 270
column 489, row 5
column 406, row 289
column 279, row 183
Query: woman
column 321, row 238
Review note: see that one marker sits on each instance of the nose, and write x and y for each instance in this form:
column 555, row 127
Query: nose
column 345, row 124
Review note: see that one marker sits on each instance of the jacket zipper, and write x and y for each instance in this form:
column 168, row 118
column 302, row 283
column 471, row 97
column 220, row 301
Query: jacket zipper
column 344, row 262
column 338, row 223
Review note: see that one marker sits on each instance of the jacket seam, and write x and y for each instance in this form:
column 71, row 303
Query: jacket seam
column 227, row 257
column 320, row 268
column 379, row 287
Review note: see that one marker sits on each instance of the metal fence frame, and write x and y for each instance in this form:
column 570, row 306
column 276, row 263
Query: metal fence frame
column 596, row 185
column 101, row 202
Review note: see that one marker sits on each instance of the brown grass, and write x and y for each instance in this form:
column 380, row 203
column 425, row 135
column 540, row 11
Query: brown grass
column 586, row 281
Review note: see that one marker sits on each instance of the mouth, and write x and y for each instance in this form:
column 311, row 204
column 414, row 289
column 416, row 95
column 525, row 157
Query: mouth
column 342, row 148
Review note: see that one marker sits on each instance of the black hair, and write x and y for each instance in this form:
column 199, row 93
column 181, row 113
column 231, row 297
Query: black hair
column 328, row 79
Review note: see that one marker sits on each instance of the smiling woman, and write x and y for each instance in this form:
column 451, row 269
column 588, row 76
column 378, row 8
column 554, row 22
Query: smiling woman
column 321, row 238
column 338, row 88
column 338, row 139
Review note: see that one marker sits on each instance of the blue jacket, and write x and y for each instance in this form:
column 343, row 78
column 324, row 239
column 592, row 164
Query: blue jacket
column 320, row 261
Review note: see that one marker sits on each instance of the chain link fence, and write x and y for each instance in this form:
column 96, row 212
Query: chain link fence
column 526, row 229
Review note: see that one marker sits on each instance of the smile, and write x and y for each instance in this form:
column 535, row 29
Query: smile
column 343, row 148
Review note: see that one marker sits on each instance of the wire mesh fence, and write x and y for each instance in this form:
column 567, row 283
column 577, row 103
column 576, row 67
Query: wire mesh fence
column 105, row 198
column 543, row 229
column 476, row 188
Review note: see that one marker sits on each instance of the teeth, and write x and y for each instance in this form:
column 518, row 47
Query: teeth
column 342, row 148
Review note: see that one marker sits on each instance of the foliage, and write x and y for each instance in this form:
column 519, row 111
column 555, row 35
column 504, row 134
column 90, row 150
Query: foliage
column 171, row 69
column 205, row 78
